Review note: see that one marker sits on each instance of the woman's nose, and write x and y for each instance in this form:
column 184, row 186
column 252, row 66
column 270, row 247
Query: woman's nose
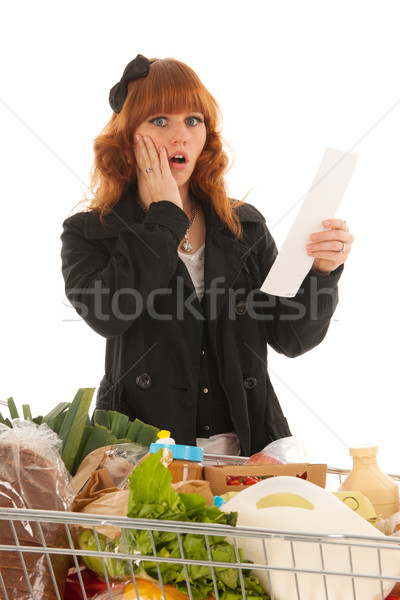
column 179, row 134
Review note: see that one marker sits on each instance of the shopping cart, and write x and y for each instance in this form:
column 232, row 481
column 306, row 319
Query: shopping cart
column 291, row 565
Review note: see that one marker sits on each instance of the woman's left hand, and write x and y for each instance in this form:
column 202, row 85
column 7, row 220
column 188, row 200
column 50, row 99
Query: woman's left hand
column 331, row 248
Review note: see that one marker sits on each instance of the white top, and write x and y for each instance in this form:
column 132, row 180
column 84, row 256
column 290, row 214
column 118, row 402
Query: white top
column 222, row 443
column 195, row 265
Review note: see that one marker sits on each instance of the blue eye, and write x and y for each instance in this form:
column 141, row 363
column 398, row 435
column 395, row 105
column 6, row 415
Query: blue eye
column 159, row 121
column 193, row 121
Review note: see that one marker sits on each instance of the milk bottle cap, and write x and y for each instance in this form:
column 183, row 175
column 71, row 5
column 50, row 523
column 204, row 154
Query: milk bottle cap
column 364, row 451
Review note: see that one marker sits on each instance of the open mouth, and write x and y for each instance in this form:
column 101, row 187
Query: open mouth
column 177, row 159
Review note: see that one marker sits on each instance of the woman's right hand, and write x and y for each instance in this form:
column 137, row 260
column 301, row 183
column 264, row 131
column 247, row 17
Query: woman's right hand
column 155, row 180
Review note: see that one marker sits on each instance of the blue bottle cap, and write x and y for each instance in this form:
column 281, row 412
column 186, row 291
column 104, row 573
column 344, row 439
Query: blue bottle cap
column 218, row 501
column 180, row 452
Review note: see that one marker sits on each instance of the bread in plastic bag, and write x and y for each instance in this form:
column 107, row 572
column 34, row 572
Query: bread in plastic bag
column 32, row 476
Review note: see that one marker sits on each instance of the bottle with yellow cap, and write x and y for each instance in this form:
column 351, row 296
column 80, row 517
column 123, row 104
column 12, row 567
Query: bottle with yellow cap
column 367, row 478
column 164, row 437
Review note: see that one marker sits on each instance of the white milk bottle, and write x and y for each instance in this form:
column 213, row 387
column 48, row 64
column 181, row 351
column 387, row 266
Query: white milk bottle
column 367, row 478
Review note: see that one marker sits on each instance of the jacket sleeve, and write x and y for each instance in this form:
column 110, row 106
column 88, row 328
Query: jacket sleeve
column 110, row 292
column 296, row 325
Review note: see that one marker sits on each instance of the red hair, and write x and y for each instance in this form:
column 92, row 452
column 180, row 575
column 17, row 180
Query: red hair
column 170, row 87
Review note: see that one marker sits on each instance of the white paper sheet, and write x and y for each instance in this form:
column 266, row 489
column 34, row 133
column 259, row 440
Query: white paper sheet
column 321, row 202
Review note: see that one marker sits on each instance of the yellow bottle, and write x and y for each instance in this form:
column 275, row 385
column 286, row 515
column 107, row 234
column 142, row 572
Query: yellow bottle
column 367, row 478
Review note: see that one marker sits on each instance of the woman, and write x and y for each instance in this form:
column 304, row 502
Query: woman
column 168, row 268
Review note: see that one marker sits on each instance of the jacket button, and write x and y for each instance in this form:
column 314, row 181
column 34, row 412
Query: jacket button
column 143, row 381
column 241, row 308
column 250, row 382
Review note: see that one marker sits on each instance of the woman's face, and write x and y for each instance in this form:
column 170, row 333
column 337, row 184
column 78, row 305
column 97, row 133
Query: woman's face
column 183, row 136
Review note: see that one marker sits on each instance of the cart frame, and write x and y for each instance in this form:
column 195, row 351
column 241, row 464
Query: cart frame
column 236, row 535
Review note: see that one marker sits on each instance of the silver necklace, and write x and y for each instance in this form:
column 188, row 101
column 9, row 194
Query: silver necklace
column 186, row 245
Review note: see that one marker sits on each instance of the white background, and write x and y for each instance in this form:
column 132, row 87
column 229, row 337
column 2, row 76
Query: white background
column 292, row 77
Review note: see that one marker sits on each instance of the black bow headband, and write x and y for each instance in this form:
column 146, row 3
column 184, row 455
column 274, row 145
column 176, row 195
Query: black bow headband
column 137, row 68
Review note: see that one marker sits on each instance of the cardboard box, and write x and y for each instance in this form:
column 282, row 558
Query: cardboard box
column 218, row 476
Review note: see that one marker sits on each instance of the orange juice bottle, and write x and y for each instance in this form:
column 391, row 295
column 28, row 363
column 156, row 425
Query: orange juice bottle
column 367, row 478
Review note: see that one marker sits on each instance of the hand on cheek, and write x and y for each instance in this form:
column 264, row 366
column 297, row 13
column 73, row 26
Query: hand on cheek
column 155, row 180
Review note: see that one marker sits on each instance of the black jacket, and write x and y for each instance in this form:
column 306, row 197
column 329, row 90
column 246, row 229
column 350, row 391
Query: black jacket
column 126, row 280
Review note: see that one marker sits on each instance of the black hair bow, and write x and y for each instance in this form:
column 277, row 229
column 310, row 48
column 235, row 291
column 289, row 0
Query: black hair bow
column 137, row 68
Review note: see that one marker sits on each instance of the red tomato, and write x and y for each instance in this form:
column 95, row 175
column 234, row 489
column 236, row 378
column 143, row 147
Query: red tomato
column 234, row 480
column 251, row 479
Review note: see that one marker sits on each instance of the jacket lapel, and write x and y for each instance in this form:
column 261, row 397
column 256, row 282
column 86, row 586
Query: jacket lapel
column 224, row 260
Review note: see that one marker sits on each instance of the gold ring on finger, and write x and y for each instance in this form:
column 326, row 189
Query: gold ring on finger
column 343, row 249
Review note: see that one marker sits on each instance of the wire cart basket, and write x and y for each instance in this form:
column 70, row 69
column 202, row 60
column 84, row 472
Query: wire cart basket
column 295, row 566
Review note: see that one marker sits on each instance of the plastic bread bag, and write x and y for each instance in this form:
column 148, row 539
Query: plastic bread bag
column 119, row 459
column 32, row 476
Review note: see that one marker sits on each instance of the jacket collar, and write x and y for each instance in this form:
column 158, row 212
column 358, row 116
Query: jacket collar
column 128, row 211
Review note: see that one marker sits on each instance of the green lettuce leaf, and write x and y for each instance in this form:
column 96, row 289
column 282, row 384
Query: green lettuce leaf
column 150, row 490
column 152, row 496
column 117, row 569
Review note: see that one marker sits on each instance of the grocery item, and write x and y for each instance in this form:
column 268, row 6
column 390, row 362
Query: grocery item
column 395, row 593
column 294, row 505
column 32, row 479
column 151, row 590
column 118, row 459
column 263, row 458
column 367, row 478
column 70, row 420
column 147, row 589
column 164, row 437
column 92, row 584
column 195, row 486
column 101, row 497
column 290, row 449
column 228, row 478
column 359, row 503
column 152, row 496
column 184, row 462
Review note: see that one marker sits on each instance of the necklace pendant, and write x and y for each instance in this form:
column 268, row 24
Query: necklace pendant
column 187, row 246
